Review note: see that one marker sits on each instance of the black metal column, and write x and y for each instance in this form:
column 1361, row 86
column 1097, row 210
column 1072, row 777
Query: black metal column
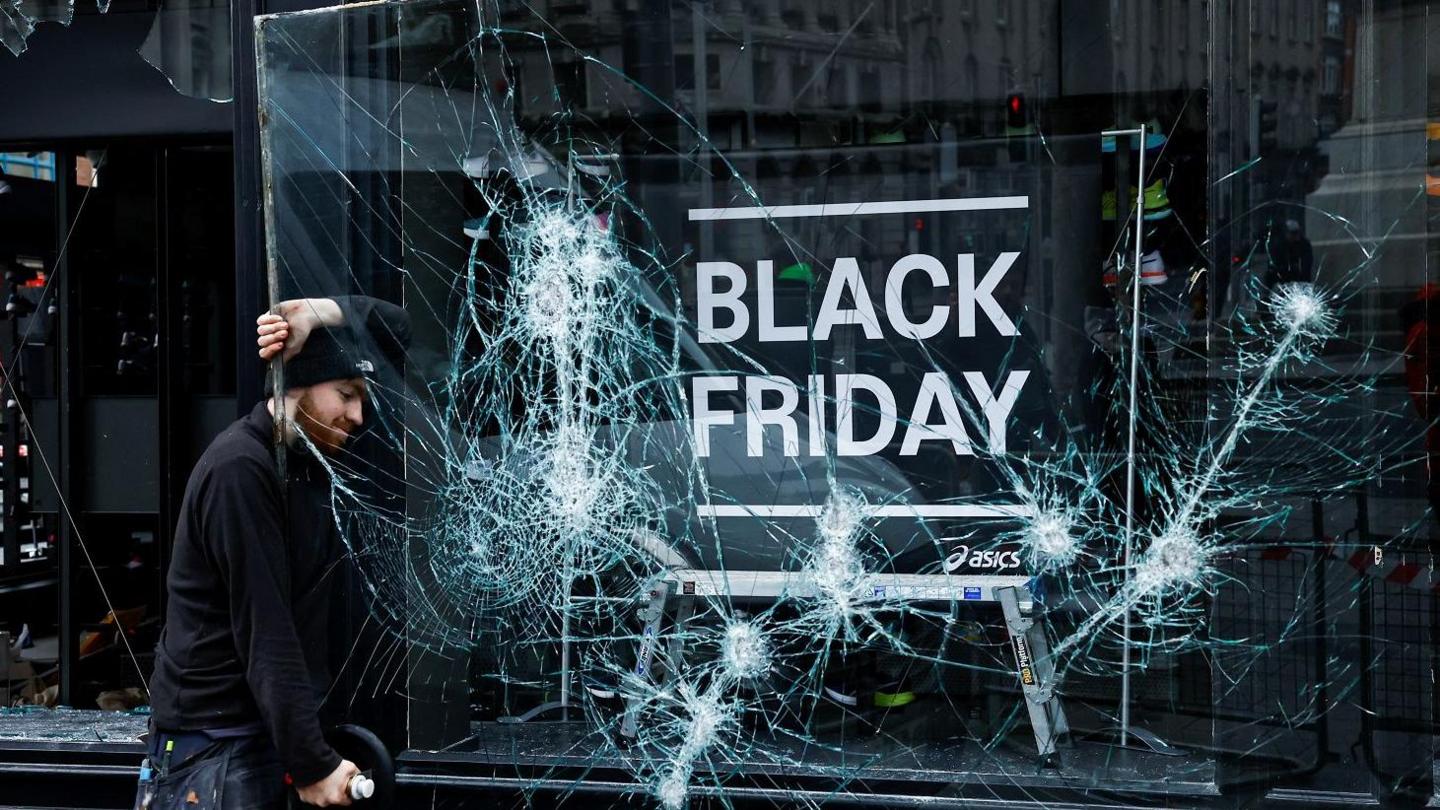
column 68, row 403
column 168, row 385
column 250, row 294
column 10, row 447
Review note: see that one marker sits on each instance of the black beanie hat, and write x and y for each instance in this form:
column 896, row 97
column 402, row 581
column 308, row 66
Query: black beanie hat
column 375, row 336
column 328, row 354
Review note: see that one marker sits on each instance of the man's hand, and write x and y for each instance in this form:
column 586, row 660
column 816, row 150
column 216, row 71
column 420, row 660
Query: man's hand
column 291, row 322
column 333, row 790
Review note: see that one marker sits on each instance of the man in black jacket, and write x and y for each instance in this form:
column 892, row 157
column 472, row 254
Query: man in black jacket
column 240, row 670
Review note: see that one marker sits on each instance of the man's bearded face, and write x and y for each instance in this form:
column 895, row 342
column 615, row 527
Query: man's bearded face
column 330, row 412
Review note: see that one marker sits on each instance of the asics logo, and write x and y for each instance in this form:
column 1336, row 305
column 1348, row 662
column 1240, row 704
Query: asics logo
column 983, row 559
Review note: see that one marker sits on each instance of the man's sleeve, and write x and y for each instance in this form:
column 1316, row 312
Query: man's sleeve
column 377, row 323
column 243, row 518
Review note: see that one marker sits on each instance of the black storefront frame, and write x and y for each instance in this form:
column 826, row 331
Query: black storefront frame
column 1218, row 22
column 103, row 773
column 250, row 298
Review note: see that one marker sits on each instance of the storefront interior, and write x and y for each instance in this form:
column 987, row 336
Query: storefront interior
column 961, row 404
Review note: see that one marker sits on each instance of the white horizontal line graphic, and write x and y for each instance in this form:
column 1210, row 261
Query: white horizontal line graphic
column 882, row 510
column 861, row 208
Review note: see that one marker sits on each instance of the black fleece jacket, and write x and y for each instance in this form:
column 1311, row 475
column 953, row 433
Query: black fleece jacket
column 251, row 581
column 245, row 635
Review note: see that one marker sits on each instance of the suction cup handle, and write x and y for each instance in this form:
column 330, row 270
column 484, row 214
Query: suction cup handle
column 375, row 784
column 361, row 787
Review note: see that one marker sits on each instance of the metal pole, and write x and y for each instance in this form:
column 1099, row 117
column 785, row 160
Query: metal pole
column 1318, row 630
column 1130, row 452
column 272, row 274
column 69, row 488
column 9, row 695
column 700, row 57
column 10, row 458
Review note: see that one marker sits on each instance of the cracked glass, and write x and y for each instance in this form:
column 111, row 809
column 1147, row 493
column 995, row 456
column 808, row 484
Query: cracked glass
column 816, row 400
column 188, row 42
column 18, row 19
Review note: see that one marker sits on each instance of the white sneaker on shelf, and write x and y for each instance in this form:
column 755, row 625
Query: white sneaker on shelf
column 1152, row 269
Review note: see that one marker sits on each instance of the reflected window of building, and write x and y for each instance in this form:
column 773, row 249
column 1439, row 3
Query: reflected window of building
column 792, row 16
column 1182, row 27
column 931, row 78
column 763, row 76
column 864, row 15
column 1332, row 18
column 837, row 86
column 871, row 95
column 799, row 79
column 570, row 83
column 685, row 71
column 1330, row 79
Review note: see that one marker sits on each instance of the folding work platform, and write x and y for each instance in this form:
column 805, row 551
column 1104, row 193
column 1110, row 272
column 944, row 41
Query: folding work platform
column 1033, row 666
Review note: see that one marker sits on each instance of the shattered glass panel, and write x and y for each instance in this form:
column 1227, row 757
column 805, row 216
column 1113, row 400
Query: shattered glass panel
column 881, row 398
column 189, row 40
column 36, row 727
column 190, row 43
column 18, row 19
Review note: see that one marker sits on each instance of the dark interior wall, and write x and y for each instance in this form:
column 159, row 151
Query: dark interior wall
column 88, row 81
column 188, row 169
